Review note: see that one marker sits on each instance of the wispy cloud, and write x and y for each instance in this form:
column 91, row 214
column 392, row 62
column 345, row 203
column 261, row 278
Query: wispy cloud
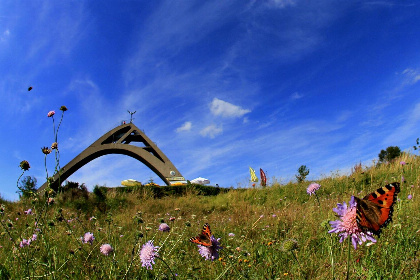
column 222, row 108
column 5, row 35
column 185, row 127
column 412, row 76
column 211, row 131
column 296, row 95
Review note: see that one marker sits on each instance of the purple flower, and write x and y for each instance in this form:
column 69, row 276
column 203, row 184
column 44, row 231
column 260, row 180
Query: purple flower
column 106, row 249
column 312, row 188
column 347, row 225
column 34, row 237
column 402, row 179
column 231, row 234
column 51, row 113
column 24, row 243
column 28, row 212
column 88, row 238
column 409, row 197
column 211, row 252
column 148, row 253
column 164, row 227
column 402, row 163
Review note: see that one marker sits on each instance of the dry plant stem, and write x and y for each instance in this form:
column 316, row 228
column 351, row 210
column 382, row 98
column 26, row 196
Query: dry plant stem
column 300, row 267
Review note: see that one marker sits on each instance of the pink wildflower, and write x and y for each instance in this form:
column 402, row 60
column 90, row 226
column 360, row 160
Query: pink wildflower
column 148, row 253
column 164, row 227
column 106, row 249
column 51, row 113
column 312, row 188
column 347, row 225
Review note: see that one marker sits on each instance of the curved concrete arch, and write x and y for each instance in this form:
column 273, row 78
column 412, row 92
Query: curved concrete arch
column 117, row 141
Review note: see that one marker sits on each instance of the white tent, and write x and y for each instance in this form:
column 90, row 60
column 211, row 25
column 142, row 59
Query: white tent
column 200, row 181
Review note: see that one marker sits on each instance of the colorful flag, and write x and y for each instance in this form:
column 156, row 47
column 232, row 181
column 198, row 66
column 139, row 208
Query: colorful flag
column 263, row 178
column 254, row 177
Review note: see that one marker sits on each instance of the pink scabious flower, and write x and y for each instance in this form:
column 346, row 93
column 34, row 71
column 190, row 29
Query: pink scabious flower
column 106, row 249
column 88, row 238
column 312, row 188
column 164, row 227
column 347, row 225
column 24, row 243
column 34, row 237
column 51, row 113
column 211, row 252
column 148, row 253
column 409, row 197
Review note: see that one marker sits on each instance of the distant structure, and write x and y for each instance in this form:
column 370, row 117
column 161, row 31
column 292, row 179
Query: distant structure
column 131, row 115
column 117, row 141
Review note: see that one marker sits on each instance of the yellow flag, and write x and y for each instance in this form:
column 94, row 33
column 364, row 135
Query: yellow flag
column 254, row 177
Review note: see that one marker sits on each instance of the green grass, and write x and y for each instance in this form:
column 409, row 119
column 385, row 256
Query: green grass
column 261, row 219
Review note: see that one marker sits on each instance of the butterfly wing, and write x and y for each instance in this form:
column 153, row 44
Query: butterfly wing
column 375, row 210
column 204, row 237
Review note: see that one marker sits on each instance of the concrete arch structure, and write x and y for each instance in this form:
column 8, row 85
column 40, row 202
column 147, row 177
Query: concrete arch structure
column 117, row 141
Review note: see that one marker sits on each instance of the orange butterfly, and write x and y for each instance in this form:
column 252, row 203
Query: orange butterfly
column 204, row 238
column 374, row 211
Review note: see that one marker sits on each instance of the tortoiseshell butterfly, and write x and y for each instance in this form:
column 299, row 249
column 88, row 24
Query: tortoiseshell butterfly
column 204, row 237
column 374, row 211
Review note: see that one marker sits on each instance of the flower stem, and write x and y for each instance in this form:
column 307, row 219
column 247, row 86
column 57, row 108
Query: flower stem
column 173, row 275
column 319, row 204
column 348, row 259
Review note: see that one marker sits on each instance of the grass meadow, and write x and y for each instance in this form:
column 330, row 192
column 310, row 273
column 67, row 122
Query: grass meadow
column 253, row 225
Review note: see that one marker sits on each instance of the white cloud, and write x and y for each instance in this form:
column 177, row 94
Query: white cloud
column 296, row 95
column 413, row 75
column 281, row 3
column 5, row 35
column 211, row 131
column 225, row 109
column 185, row 127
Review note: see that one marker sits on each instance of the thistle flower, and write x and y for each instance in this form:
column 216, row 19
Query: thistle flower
column 164, row 227
column 312, row 188
column 347, row 225
column 51, row 113
column 289, row 245
column 402, row 163
column 54, row 145
column 106, row 249
column 24, row 165
column 148, row 253
column 88, row 238
column 46, row 150
column 63, row 108
column 212, row 252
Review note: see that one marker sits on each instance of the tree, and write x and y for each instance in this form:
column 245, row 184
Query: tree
column 389, row 154
column 27, row 187
column 303, row 172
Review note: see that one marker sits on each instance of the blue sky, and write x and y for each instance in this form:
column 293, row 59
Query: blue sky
column 217, row 85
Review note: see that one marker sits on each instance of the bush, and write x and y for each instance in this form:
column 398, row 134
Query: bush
column 389, row 154
column 27, row 187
